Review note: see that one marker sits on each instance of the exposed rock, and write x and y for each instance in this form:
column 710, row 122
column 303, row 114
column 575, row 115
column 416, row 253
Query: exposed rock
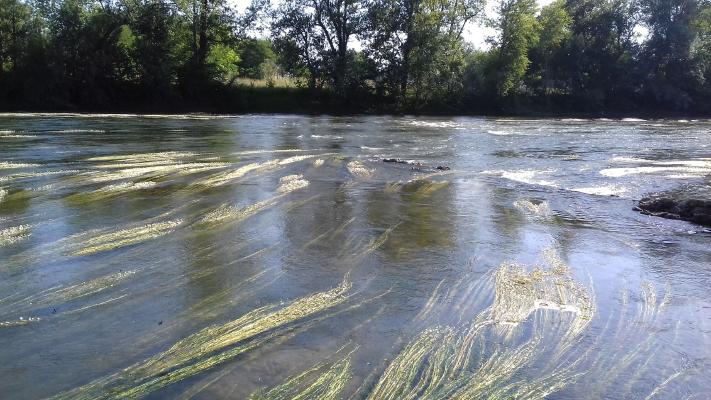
column 416, row 166
column 689, row 203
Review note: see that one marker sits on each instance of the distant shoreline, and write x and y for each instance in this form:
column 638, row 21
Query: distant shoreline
column 200, row 114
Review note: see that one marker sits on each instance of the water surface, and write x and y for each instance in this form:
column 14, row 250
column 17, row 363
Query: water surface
column 279, row 256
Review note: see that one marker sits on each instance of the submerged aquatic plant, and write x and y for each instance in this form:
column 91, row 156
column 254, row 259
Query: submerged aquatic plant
column 125, row 237
column 322, row 382
column 417, row 187
column 154, row 166
column 465, row 361
column 208, row 347
column 357, row 169
column 227, row 213
column 167, row 156
column 224, row 178
column 227, row 177
column 126, row 186
column 290, row 183
column 14, row 165
column 22, row 321
column 87, row 288
column 14, row 234
column 64, row 294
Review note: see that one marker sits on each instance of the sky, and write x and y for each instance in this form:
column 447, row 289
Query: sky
column 475, row 34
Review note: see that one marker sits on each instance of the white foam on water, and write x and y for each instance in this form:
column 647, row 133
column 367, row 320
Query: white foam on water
column 436, row 124
column 633, row 120
column 529, row 176
column 694, row 162
column 621, row 172
column 499, row 133
column 604, row 190
column 541, row 210
column 3, row 193
column 326, row 137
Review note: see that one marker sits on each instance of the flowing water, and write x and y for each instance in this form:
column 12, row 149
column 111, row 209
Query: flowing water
column 279, row 257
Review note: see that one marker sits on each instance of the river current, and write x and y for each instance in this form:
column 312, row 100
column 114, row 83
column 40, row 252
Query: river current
column 280, row 257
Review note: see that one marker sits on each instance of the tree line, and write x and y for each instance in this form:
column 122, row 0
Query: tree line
column 571, row 56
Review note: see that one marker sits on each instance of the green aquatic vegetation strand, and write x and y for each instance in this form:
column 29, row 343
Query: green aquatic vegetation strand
column 125, row 237
column 440, row 363
column 207, row 348
column 326, row 385
column 15, row 234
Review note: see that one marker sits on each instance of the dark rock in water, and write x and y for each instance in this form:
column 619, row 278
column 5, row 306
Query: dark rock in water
column 395, row 161
column 691, row 203
column 416, row 166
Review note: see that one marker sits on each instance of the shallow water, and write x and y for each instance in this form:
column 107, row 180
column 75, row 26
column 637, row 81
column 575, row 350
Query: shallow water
column 278, row 257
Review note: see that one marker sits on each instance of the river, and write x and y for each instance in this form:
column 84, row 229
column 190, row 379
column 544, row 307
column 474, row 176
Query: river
column 280, row 257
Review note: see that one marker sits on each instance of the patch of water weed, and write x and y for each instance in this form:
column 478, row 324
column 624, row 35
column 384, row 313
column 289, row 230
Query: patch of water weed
column 359, row 170
column 227, row 177
column 14, row 234
column 535, row 315
column 322, row 382
column 100, row 242
column 209, row 347
column 290, row 183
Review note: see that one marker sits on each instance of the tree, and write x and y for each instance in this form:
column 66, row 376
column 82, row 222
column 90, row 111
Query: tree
column 418, row 44
column 554, row 24
column 667, row 58
column 253, row 53
column 300, row 42
column 322, row 30
column 518, row 32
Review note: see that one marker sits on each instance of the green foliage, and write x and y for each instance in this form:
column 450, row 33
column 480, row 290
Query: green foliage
column 519, row 32
column 571, row 55
column 254, row 53
column 224, row 60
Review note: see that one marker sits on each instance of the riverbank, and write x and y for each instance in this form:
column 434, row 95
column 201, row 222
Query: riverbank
column 299, row 100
